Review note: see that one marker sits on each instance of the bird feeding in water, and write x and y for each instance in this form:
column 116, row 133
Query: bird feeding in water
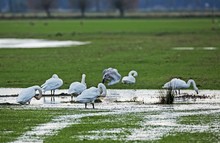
column 111, row 76
column 91, row 94
column 52, row 84
column 27, row 94
column 177, row 84
column 130, row 79
column 77, row 88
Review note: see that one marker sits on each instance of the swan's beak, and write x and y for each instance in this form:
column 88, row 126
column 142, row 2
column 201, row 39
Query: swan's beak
column 103, row 80
column 197, row 91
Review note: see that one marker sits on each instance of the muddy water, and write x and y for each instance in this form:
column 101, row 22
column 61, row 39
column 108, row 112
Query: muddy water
column 158, row 120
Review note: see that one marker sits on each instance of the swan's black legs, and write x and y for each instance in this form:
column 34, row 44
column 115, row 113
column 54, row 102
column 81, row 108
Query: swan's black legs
column 54, row 95
column 93, row 105
column 51, row 93
column 71, row 97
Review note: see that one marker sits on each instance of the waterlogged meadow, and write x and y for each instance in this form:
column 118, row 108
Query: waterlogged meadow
column 111, row 122
column 158, row 49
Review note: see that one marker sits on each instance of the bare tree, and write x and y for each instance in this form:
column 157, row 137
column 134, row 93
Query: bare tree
column 97, row 5
column 82, row 5
column 46, row 5
column 122, row 5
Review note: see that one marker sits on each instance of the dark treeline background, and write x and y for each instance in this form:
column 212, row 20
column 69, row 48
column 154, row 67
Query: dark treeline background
column 107, row 7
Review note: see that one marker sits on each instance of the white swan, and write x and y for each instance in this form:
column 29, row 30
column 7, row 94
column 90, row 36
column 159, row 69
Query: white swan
column 177, row 84
column 130, row 78
column 52, row 84
column 111, row 75
column 77, row 88
column 28, row 93
column 91, row 94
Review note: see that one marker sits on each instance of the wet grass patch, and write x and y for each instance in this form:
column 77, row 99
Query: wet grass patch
column 190, row 138
column 212, row 134
column 108, row 128
column 15, row 121
column 200, row 119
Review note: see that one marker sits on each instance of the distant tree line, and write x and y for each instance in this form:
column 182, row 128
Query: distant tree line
column 121, row 6
column 81, row 5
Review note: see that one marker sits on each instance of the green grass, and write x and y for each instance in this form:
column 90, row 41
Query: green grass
column 202, row 137
column 124, row 122
column 191, row 138
column 142, row 45
column 199, row 119
column 15, row 121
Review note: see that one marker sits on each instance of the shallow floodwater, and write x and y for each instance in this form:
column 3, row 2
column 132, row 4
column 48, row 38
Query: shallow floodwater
column 144, row 96
column 158, row 120
column 37, row 43
column 194, row 48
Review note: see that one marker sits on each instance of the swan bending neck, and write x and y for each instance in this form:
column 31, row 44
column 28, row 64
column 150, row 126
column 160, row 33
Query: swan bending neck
column 133, row 73
column 102, row 89
column 37, row 88
column 192, row 82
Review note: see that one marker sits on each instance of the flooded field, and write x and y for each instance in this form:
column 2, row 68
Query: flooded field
column 8, row 95
column 159, row 120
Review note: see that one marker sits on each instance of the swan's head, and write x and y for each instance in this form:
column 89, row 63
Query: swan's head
column 83, row 75
column 133, row 73
column 55, row 76
column 197, row 90
column 106, row 78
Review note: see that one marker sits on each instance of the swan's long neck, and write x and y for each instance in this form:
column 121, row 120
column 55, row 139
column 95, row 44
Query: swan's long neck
column 102, row 89
column 133, row 73
column 83, row 80
column 40, row 92
column 193, row 83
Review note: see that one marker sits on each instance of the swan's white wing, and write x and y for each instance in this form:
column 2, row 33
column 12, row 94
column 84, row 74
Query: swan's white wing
column 88, row 95
column 26, row 95
column 180, row 84
column 128, row 80
column 52, row 83
column 76, row 88
column 115, row 78
column 107, row 70
column 112, row 76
